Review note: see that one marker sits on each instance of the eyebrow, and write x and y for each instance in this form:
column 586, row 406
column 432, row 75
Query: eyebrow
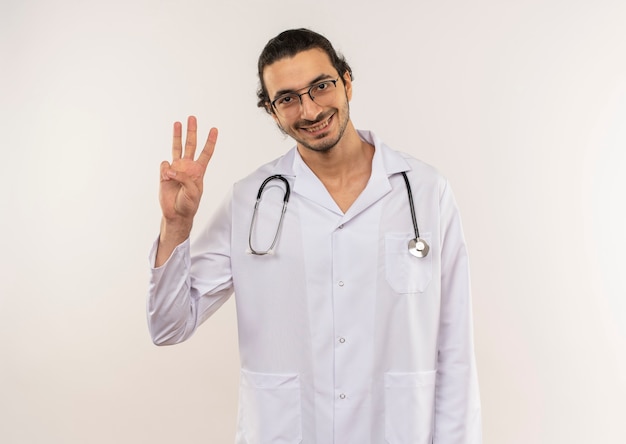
column 317, row 79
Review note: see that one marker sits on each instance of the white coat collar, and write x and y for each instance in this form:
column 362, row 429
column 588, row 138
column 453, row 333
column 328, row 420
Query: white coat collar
column 392, row 161
column 385, row 163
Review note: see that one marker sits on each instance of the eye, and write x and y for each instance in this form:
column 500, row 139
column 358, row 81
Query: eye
column 286, row 100
column 322, row 86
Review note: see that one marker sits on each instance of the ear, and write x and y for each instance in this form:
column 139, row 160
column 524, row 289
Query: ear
column 347, row 81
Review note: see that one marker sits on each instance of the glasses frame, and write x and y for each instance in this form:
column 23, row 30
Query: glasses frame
column 308, row 91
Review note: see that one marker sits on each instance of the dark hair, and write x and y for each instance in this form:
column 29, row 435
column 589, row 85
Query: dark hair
column 288, row 44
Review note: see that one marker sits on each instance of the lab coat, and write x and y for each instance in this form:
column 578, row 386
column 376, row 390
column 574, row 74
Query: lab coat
column 344, row 337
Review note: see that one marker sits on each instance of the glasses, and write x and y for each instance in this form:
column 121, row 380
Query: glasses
column 289, row 104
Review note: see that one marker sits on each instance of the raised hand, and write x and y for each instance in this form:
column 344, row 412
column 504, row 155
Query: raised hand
column 181, row 186
column 182, row 179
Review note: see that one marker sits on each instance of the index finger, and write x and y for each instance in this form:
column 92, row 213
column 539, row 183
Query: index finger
column 177, row 148
column 209, row 147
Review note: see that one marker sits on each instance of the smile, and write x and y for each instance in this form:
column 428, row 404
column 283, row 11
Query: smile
column 319, row 127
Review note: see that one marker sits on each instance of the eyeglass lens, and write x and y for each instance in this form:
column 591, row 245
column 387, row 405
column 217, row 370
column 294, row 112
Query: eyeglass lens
column 321, row 93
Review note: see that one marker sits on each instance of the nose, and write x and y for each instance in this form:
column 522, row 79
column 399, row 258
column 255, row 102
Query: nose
column 310, row 109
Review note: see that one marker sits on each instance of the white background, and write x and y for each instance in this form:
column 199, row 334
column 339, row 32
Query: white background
column 521, row 104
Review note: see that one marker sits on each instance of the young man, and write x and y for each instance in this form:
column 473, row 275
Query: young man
column 353, row 327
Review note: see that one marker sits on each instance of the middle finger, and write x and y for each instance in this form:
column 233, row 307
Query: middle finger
column 190, row 140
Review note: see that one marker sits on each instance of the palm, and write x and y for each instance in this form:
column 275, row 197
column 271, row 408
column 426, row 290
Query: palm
column 181, row 180
column 176, row 198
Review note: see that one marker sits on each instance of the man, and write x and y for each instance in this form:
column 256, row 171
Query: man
column 353, row 328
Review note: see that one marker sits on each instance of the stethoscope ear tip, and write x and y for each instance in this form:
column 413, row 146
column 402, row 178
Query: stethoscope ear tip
column 418, row 247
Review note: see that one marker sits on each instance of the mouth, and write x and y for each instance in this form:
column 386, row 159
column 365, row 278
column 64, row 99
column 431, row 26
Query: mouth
column 318, row 127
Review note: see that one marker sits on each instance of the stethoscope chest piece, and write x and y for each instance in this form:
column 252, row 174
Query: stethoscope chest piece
column 418, row 247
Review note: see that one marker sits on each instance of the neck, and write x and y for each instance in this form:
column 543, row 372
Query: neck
column 345, row 169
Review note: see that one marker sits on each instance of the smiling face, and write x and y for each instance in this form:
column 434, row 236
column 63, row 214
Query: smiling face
column 315, row 127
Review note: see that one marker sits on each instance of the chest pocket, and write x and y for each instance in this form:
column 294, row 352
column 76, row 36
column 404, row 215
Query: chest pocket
column 404, row 272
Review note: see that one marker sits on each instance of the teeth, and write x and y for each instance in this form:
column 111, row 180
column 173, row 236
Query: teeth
column 318, row 127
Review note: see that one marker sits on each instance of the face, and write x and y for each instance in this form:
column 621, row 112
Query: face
column 318, row 128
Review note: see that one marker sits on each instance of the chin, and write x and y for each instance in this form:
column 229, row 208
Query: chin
column 322, row 143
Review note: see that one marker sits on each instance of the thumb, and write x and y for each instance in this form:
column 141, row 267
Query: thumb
column 165, row 168
column 191, row 188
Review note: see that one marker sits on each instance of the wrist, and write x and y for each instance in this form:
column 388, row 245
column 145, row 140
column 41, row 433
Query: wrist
column 175, row 231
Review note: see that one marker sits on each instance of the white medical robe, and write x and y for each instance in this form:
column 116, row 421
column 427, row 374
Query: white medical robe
column 344, row 336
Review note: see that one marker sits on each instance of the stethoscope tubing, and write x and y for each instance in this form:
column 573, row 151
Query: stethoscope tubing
column 417, row 247
column 411, row 205
column 268, row 180
column 282, row 215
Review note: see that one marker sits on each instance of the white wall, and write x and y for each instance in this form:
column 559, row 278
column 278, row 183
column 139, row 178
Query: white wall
column 522, row 105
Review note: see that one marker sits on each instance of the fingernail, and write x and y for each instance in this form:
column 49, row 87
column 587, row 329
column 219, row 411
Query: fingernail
column 171, row 173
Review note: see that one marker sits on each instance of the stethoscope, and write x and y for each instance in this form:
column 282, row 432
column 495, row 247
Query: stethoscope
column 418, row 247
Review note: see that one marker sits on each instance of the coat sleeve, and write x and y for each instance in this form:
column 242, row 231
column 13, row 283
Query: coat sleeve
column 457, row 401
column 194, row 282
